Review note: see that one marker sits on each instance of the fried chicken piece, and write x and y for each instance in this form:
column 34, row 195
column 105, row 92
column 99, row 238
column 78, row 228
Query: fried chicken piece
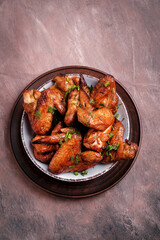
column 73, row 102
column 30, row 98
column 99, row 119
column 91, row 157
column 41, row 112
column 117, row 138
column 63, row 82
column 45, row 148
column 83, row 84
column 86, row 160
column 96, row 140
column 63, row 158
column 126, row 151
column 43, row 157
column 57, row 128
column 104, row 93
column 55, row 138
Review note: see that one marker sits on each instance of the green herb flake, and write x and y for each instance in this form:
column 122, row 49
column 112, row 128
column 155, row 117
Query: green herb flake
column 75, row 173
column 83, row 173
column 38, row 114
column 110, row 135
column 71, row 166
column 76, row 103
column 101, row 118
column 72, row 157
column 90, row 88
column 60, row 142
column 102, row 105
column 67, row 79
column 91, row 100
column 116, row 115
column 107, row 84
column 68, row 136
column 69, row 90
column 77, row 160
column 51, row 109
column 92, row 115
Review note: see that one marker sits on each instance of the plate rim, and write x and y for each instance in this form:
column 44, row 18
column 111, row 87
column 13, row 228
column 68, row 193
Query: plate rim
column 131, row 98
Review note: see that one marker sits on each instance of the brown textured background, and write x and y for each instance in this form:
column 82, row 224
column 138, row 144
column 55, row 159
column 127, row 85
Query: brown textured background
column 121, row 37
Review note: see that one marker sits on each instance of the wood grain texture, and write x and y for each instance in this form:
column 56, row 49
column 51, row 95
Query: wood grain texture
column 119, row 37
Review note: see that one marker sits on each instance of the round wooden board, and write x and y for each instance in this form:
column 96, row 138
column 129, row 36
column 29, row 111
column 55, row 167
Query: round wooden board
column 74, row 189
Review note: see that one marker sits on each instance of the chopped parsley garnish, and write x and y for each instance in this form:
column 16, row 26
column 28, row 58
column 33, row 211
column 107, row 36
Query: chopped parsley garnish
column 84, row 172
column 76, row 103
column 92, row 115
column 69, row 90
column 102, row 105
column 109, row 148
column 72, row 157
column 71, row 166
column 67, row 79
column 75, row 173
column 110, row 135
column 51, row 109
column 112, row 147
column 38, row 114
column 91, row 101
column 101, row 118
column 90, row 88
column 77, row 160
column 68, row 136
column 60, row 142
column 107, row 84
column 116, row 115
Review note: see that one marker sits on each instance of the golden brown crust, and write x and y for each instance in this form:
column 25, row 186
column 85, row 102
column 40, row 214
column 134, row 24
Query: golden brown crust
column 43, row 157
column 72, row 103
column 62, row 159
column 96, row 140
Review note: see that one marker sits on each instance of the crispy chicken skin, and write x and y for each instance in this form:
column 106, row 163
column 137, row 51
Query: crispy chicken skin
column 126, row 151
column 83, row 85
column 45, row 148
column 87, row 160
column 117, row 138
column 72, row 103
column 30, row 98
column 91, row 157
column 104, row 93
column 63, row 158
column 55, row 138
column 65, row 83
column 99, row 119
column 43, row 157
column 38, row 110
column 95, row 139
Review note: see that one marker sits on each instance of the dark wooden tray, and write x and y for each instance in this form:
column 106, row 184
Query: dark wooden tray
column 74, row 189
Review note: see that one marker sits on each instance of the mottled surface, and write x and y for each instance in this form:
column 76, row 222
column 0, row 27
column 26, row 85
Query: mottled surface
column 120, row 37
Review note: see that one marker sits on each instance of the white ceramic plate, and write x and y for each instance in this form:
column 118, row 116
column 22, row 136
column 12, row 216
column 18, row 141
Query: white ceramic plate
column 94, row 172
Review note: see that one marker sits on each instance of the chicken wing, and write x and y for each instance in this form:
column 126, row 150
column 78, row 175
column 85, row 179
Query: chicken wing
column 104, row 93
column 65, row 83
column 43, row 157
column 83, row 85
column 126, row 151
column 115, row 140
column 63, row 158
column 41, row 111
column 96, row 140
column 72, row 103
